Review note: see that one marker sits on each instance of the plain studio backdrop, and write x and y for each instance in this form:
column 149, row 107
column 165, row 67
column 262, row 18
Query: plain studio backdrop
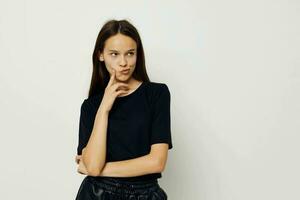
column 232, row 68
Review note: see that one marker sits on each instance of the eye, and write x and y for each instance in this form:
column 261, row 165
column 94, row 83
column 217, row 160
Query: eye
column 113, row 53
column 132, row 53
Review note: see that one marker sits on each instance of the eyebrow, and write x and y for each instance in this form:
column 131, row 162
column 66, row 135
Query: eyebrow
column 117, row 51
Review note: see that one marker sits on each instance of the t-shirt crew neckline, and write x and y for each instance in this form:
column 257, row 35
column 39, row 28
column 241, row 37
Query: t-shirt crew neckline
column 132, row 93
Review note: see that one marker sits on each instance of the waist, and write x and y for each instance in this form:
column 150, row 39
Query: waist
column 116, row 184
column 146, row 177
column 124, row 180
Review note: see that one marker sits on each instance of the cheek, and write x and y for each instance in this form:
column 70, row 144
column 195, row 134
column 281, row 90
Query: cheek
column 132, row 64
column 109, row 62
column 133, row 60
column 110, row 65
column 133, row 69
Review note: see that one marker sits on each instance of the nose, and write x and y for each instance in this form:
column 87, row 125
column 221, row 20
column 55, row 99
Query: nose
column 123, row 61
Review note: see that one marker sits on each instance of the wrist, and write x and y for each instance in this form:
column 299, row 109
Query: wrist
column 102, row 110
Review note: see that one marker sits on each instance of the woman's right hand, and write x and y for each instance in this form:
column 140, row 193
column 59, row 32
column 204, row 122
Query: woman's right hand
column 112, row 91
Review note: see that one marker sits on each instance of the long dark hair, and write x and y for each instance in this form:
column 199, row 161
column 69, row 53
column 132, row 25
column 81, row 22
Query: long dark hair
column 100, row 76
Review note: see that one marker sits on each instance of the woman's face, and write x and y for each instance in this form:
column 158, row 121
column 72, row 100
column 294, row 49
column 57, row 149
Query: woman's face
column 119, row 53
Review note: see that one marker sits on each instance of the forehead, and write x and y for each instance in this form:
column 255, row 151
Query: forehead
column 120, row 42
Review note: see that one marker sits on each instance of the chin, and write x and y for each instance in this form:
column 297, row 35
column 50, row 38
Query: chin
column 124, row 78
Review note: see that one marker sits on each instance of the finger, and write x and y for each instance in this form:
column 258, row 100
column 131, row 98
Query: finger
column 121, row 92
column 121, row 85
column 112, row 78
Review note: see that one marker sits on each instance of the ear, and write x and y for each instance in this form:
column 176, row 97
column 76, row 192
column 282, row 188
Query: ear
column 101, row 58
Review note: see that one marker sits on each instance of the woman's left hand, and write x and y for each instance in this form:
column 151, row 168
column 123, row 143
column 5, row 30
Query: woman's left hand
column 81, row 167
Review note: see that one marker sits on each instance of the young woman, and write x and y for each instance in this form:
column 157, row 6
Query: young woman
column 124, row 127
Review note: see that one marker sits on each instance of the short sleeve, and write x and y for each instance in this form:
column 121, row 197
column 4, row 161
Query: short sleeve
column 85, row 127
column 161, row 121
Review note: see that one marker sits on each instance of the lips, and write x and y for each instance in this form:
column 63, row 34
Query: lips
column 125, row 71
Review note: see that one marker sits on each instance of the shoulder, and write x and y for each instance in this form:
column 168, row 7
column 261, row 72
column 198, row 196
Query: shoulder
column 157, row 86
column 92, row 102
column 157, row 90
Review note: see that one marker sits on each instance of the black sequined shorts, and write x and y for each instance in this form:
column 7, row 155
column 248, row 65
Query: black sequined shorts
column 108, row 188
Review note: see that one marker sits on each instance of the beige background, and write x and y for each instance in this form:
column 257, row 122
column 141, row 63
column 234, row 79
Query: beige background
column 232, row 68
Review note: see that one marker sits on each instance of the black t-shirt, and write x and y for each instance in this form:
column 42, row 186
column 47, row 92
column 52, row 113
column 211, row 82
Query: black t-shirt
column 135, row 121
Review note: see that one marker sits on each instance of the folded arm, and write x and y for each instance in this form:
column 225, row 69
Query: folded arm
column 154, row 162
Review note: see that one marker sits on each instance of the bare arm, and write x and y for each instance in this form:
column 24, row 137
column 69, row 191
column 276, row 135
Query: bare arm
column 94, row 154
column 132, row 167
column 153, row 162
